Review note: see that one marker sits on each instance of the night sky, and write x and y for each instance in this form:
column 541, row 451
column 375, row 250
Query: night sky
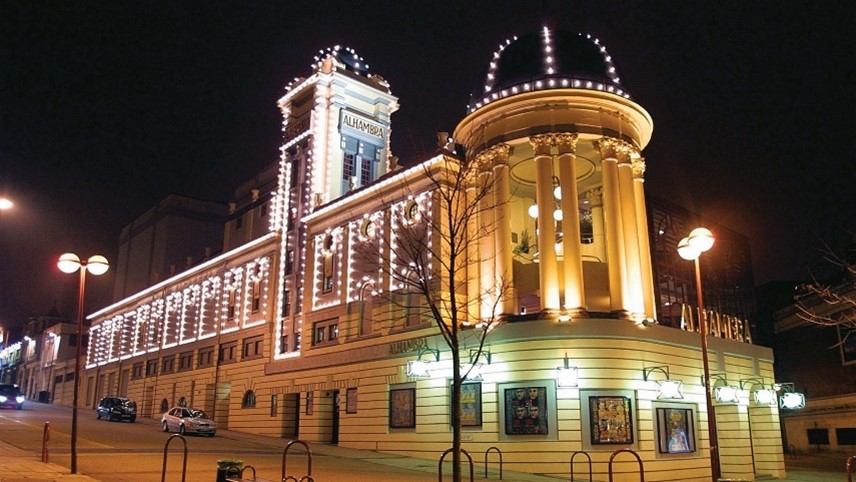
column 107, row 107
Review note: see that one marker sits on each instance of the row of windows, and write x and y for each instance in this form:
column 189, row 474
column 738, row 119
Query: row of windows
column 251, row 348
column 262, row 210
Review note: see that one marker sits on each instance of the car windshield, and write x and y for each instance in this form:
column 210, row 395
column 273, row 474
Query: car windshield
column 197, row 414
column 9, row 390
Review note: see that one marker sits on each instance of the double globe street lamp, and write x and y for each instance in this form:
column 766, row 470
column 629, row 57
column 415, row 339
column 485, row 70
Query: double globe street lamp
column 690, row 248
column 97, row 265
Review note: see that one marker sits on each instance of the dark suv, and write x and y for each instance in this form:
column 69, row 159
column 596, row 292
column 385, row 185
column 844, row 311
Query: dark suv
column 11, row 396
column 116, row 408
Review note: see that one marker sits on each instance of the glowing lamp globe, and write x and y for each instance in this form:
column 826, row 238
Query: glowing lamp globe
column 701, row 239
column 68, row 263
column 533, row 211
column 97, row 265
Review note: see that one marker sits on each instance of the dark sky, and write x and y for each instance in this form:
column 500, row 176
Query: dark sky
column 107, row 107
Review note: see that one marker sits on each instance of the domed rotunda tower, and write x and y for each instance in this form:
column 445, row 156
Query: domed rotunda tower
column 552, row 122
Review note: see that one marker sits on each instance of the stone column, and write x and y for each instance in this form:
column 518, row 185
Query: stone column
column 502, row 217
column 634, row 294
column 638, row 167
column 472, row 253
column 547, row 262
column 487, row 245
column 573, row 265
column 609, row 148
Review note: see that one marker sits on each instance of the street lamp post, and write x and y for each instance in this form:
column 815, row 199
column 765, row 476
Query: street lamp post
column 97, row 265
column 691, row 248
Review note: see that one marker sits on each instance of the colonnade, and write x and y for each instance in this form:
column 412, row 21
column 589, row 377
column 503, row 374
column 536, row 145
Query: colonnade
column 619, row 221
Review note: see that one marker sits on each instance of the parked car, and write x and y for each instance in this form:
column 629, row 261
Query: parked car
column 188, row 420
column 116, row 408
column 11, row 397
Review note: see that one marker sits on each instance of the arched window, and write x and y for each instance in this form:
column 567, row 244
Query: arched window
column 366, row 307
column 249, row 400
column 164, row 405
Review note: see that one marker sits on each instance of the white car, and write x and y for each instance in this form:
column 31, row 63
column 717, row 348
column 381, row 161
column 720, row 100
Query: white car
column 188, row 420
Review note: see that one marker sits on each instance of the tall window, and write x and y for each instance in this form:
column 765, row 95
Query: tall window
column 368, row 158
column 348, row 166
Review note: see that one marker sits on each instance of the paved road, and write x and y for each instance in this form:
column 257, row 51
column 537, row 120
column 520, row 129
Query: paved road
column 122, row 452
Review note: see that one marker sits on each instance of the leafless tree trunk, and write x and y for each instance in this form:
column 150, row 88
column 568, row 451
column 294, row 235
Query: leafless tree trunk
column 432, row 258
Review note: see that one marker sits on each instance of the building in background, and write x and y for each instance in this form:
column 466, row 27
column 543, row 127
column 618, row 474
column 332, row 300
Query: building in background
column 726, row 270
column 821, row 362
column 178, row 233
column 290, row 333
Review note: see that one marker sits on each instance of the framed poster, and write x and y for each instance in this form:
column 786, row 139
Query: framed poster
column 471, row 404
column 351, row 400
column 675, row 429
column 402, row 408
column 526, row 410
column 611, row 420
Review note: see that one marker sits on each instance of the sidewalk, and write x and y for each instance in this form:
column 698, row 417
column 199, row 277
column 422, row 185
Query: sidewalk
column 22, row 466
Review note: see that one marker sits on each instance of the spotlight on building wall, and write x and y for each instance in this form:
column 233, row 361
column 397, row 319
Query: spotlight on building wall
column 472, row 370
column 724, row 393
column 566, row 375
column 669, row 389
column 761, row 395
column 790, row 399
column 418, row 368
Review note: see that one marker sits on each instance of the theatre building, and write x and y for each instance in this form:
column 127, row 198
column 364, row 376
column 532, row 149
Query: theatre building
column 293, row 331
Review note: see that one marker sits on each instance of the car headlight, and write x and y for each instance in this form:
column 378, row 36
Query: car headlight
column 20, row 399
column 3, row 398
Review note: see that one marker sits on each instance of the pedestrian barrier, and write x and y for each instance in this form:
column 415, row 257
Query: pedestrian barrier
column 498, row 452
column 641, row 468
column 184, row 463
column 46, row 436
column 440, row 465
column 239, row 477
column 850, row 461
column 308, row 476
column 573, row 456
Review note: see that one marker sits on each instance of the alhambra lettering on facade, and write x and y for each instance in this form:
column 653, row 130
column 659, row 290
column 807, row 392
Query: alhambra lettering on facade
column 408, row 346
column 362, row 125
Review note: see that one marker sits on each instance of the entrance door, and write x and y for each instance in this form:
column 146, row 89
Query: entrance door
column 290, row 415
column 335, row 405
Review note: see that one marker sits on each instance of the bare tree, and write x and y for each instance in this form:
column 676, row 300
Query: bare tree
column 831, row 302
column 432, row 258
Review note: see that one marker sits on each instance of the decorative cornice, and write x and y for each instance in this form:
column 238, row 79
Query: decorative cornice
column 541, row 144
column 612, row 148
column 638, row 166
column 567, row 142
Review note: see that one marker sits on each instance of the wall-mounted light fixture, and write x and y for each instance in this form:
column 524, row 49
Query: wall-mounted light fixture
column 670, row 389
column 566, row 375
column 761, row 395
column 418, row 368
column 789, row 398
column 723, row 393
column 472, row 370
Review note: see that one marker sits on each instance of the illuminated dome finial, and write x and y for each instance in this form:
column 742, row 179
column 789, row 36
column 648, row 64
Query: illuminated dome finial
column 547, row 60
column 346, row 57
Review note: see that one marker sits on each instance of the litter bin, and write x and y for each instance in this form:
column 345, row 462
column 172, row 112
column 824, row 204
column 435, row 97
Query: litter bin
column 228, row 468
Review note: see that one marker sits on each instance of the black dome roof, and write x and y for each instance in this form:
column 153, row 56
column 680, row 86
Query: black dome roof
column 346, row 56
column 547, row 60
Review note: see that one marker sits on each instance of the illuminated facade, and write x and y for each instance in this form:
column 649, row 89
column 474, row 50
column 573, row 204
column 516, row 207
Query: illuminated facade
column 292, row 333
